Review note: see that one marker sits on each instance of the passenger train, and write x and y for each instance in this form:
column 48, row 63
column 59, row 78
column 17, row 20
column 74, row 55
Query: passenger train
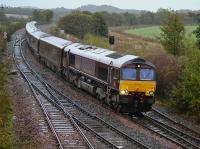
column 125, row 82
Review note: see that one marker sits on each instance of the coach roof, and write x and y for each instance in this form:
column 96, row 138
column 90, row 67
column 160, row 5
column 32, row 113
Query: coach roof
column 30, row 27
column 101, row 55
column 58, row 42
column 39, row 34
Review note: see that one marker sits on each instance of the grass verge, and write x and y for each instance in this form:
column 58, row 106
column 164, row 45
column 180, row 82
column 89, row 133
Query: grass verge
column 6, row 125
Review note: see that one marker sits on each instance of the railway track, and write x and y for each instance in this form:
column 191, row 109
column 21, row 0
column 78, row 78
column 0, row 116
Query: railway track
column 99, row 127
column 180, row 130
column 68, row 119
column 64, row 128
column 163, row 117
column 167, row 128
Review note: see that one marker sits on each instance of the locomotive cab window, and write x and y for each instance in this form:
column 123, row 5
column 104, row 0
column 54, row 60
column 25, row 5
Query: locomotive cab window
column 147, row 74
column 128, row 74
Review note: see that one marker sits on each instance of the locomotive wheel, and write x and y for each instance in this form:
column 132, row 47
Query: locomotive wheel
column 108, row 101
column 115, row 105
column 98, row 97
column 119, row 108
column 115, row 101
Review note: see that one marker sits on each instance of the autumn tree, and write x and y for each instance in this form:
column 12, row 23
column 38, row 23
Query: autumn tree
column 173, row 33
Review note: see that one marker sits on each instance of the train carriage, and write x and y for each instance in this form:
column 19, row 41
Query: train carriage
column 33, row 36
column 51, row 51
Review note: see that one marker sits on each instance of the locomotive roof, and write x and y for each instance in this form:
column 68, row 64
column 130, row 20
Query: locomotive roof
column 101, row 55
column 30, row 27
column 58, row 42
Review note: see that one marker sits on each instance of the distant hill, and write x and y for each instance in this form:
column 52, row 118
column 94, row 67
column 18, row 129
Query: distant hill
column 61, row 10
column 27, row 10
column 188, row 11
column 29, row 7
column 111, row 9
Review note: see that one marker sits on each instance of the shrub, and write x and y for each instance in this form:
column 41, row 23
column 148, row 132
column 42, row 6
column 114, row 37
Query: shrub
column 186, row 93
column 55, row 31
column 95, row 40
column 195, row 109
column 168, row 68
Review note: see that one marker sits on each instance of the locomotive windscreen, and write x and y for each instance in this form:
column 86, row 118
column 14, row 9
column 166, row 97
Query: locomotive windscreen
column 147, row 74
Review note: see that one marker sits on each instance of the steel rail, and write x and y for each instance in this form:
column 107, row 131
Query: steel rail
column 91, row 115
column 42, row 106
column 175, row 132
column 177, row 123
column 95, row 117
column 32, row 86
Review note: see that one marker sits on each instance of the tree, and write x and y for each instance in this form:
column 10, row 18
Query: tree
column 173, row 33
column 160, row 16
column 42, row 16
column 79, row 24
column 197, row 32
column 147, row 18
column 48, row 14
column 100, row 26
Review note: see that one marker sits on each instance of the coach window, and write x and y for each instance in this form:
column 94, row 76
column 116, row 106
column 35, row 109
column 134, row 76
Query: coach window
column 72, row 59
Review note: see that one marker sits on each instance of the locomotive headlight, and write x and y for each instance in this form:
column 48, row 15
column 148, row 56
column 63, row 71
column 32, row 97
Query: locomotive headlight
column 124, row 92
column 149, row 93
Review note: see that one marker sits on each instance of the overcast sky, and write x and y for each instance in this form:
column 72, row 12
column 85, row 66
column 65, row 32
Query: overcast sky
column 151, row 5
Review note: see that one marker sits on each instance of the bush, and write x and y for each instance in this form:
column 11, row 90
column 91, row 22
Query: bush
column 197, row 34
column 55, row 31
column 195, row 109
column 95, row 40
column 168, row 68
column 186, row 94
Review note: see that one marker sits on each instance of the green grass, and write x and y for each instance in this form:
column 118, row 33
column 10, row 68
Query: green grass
column 6, row 131
column 6, row 127
column 154, row 31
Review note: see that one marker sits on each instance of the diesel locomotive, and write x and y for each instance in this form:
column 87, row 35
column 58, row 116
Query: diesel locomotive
column 125, row 82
